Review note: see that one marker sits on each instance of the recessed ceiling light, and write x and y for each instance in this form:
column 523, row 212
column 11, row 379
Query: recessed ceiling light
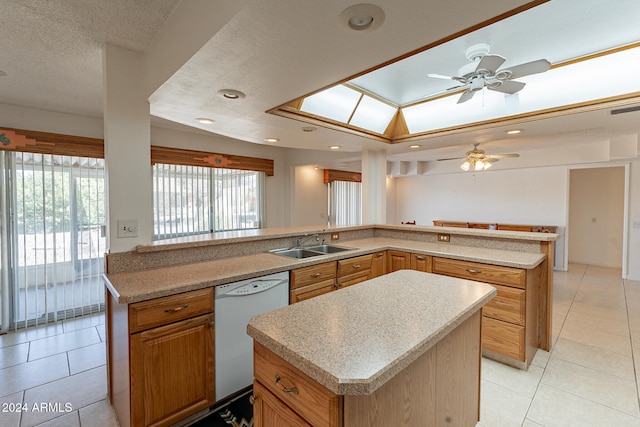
column 231, row 94
column 272, row 139
column 513, row 131
column 362, row 17
column 309, row 129
column 335, row 147
column 205, row 121
column 415, row 146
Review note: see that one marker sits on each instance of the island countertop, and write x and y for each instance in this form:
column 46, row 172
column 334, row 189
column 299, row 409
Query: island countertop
column 354, row 340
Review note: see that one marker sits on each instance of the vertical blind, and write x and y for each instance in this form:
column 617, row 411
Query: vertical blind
column 345, row 202
column 194, row 200
column 52, row 235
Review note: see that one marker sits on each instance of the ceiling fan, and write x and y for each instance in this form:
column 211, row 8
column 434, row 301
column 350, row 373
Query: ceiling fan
column 483, row 72
column 477, row 160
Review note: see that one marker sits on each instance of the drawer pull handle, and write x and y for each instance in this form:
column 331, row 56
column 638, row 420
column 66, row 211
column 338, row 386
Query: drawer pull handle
column 356, row 265
column 379, row 255
column 171, row 310
column 421, row 258
column 472, row 271
column 293, row 390
column 316, row 275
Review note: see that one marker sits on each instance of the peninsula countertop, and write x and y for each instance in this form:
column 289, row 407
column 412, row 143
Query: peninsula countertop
column 131, row 287
column 354, row 340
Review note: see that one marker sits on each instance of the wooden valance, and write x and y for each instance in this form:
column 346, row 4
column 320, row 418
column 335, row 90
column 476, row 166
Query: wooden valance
column 331, row 175
column 50, row 143
column 178, row 156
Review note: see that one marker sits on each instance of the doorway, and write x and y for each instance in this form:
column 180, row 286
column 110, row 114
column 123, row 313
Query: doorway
column 596, row 216
column 52, row 238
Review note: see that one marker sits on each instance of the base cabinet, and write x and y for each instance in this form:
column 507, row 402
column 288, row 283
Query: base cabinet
column 510, row 322
column 160, row 358
column 172, row 371
column 441, row 388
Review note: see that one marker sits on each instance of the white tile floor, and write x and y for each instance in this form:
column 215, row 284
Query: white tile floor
column 588, row 379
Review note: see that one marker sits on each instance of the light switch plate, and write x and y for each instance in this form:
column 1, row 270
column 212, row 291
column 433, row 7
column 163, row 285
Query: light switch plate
column 335, row 236
column 127, row 228
column 443, row 237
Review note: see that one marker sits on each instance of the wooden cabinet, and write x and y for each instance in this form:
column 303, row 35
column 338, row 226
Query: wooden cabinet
column 309, row 282
column 510, row 322
column 304, row 396
column 353, row 270
column 440, row 388
column 378, row 264
column 160, row 358
column 398, row 260
column 421, row 263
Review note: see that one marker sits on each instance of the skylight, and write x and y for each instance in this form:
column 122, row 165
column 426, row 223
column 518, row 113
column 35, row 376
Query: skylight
column 336, row 103
column 572, row 84
column 349, row 106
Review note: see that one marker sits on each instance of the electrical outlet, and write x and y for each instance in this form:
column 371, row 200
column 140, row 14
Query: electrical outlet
column 335, row 236
column 128, row 228
column 443, row 237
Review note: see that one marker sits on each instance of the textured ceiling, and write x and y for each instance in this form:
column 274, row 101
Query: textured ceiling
column 52, row 50
column 278, row 50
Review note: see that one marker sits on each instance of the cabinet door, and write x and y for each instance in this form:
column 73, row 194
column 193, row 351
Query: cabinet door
column 269, row 411
column 399, row 260
column 310, row 291
column 172, row 371
column 421, row 263
column 379, row 264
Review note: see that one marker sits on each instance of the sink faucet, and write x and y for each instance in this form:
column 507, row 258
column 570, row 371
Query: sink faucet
column 301, row 240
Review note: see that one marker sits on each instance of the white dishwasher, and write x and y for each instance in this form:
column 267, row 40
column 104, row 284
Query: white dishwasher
column 235, row 304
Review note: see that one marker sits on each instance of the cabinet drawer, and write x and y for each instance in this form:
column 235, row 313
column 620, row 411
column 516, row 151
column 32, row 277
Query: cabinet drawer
column 165, row 310
column 508, row 276
column 312, row 274
column 503, row 338
column 352, row 279
column 353, row 265
column 305, row 292
column 508, row 305
column 421, row 263
column 317, row 405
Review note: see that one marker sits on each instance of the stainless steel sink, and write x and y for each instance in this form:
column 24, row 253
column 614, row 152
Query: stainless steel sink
column 328, row 249
column 296, row 253
column 309, row 251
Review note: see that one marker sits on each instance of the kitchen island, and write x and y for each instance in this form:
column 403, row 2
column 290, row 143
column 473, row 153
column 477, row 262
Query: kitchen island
column 401, row 349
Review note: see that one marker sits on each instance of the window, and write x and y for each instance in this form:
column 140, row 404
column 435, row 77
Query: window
column 345, row 197
column 190, row 200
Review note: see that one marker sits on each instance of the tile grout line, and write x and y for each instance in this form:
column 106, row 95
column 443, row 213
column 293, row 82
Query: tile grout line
column 633, row 353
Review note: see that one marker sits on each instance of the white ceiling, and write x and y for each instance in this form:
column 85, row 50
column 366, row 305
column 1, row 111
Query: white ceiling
column 278, row 50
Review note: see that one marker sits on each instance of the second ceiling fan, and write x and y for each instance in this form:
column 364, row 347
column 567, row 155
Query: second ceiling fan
column 487, row 73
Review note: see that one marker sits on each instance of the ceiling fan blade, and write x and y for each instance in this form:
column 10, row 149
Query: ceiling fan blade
column 450, row 158
column 533, row 67
column 502, row 156
column 466, row 95
column 507, row 86
column 440, row 76
column 489, row 64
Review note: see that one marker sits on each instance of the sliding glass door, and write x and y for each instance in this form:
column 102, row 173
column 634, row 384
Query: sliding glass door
column 53, row 239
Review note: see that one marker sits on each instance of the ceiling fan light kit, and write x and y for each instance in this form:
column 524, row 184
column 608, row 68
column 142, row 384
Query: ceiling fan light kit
column 477, row 160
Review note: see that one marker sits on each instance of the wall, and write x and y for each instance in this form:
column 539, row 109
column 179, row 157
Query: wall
column 530, row 196
column 309, row 197
column 596, row 215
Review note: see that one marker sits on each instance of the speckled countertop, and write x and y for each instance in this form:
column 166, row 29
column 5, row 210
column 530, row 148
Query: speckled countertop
column 349, row 340
column 148, row 284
